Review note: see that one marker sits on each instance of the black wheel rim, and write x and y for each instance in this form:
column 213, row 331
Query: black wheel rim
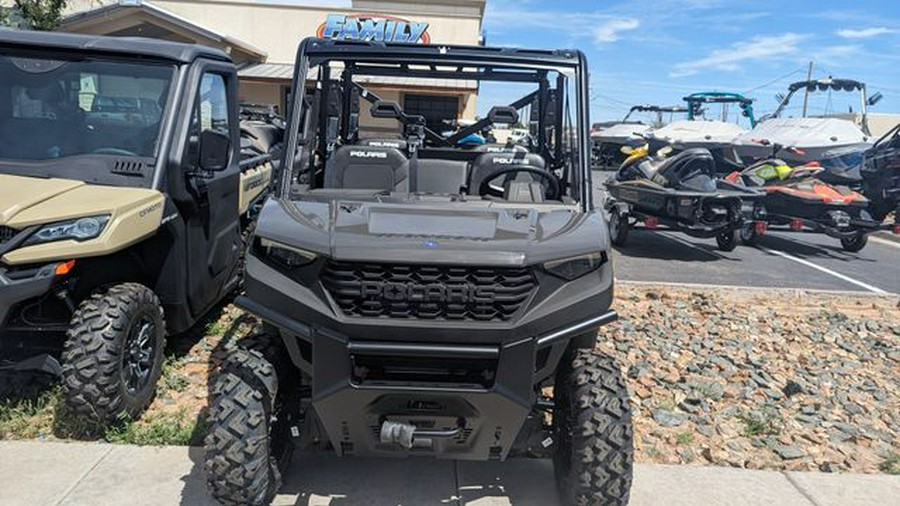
column 139, row 355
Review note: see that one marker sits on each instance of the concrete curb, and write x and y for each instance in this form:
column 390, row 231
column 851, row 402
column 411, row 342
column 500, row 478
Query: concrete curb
column 733, row 288
column 69, row 474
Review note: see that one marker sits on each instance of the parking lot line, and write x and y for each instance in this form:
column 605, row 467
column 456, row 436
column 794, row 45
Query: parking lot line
column 830, row 272
column 886, row 242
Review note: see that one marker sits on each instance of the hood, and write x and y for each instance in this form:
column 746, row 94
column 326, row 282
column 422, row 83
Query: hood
column 438, row 233
column 700, row 131
column 805, row 133
column 26, row 201
column 19, row 194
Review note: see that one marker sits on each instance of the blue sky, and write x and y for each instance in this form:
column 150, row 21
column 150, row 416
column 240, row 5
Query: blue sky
column 658, row 51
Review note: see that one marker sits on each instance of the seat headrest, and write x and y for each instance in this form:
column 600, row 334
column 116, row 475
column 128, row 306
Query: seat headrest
column 500, row 148
column 367, row 167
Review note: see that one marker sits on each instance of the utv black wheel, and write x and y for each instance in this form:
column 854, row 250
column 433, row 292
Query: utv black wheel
column 594, row 457
column 749, row 237
column 113, row 354
column 728, row 240
column 247, row 443
column 618, row 227
column 854, row 244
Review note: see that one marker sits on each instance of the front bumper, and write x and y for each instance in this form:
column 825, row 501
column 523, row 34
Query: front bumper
column 473, row 381
column 19, row 286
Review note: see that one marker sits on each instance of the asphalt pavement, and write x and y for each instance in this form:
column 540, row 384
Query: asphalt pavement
column 780, row 260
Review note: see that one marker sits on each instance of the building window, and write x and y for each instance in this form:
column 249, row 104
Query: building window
column 438, row 110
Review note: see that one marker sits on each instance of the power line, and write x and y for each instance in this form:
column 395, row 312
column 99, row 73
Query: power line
column 796, row 71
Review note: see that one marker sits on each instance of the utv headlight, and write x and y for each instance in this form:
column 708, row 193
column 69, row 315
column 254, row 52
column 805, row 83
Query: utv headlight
column 287, row 257
column 575, row 267
column 79, row 229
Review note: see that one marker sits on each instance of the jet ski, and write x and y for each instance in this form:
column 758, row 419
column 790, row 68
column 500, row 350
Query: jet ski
column 811, row 136
column 608, row 139
column 679, row 192
column 880, row 174
column 797, row 200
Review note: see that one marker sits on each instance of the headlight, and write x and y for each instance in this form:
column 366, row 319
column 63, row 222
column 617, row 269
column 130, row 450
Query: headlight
column 286, row 256
column 79, row 229
column 575, row 267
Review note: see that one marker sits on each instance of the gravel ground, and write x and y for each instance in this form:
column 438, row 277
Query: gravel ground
column 758, row 379
column 761, row 379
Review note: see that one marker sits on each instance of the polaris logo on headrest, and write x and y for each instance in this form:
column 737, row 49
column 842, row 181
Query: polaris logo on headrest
column 368, row 154
column 384, row 144
column 510, row 161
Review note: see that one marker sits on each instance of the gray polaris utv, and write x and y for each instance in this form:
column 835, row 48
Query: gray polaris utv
column 428, row 294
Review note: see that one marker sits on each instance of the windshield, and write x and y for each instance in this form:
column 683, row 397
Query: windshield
column 61, row 106
column 469, row 130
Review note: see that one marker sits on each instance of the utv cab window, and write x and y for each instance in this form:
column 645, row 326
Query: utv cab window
column 60, row 106
column 209, row 124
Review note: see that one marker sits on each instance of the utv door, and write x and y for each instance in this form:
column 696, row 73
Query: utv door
column 212, row 175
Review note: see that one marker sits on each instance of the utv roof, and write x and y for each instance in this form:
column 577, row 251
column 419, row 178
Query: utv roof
column 437, row 54
column 124, row 46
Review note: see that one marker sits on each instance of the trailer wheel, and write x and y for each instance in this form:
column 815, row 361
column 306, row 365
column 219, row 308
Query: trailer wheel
column 855, row 243
column 248, row 442
column 618, row 227
column 727, row 240
column 113, row 354
column 749, row 237
column 594, row 456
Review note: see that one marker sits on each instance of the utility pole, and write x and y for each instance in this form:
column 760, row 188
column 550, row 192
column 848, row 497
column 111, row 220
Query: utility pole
column 806, row 90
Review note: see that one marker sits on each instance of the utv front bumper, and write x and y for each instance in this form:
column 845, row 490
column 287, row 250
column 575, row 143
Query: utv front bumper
column 22, row 285
column 466, row 387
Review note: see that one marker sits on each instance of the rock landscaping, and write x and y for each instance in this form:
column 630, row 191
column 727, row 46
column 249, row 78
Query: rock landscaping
column 759, row 379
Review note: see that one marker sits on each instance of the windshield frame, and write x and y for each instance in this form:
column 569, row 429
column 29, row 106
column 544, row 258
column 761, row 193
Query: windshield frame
column 312, row 52
column 57, row 167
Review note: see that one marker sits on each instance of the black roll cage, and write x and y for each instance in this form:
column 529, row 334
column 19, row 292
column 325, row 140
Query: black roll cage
column 465, row 63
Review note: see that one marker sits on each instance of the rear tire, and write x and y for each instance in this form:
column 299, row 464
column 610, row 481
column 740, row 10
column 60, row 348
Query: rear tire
column 618, row 227
column 855, row 244
column 727, row 240
column 749, row 237
column 247, row 445
column 113, row 354
column 594, row 455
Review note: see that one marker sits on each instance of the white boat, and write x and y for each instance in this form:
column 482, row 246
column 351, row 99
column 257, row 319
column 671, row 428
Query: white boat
column 608, row 138
column 807, row 138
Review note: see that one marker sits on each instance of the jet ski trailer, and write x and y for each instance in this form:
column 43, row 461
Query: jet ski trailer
column 607, row 140
column 810, row 137
column 680, row 193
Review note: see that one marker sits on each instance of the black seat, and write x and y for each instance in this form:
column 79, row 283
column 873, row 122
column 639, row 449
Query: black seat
column 488, row 163
column 367, row 168
column 692, row 169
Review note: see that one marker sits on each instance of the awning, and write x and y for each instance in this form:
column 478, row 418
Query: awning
column 285, row 71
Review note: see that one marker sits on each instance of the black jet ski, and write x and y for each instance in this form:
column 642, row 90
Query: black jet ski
column 880, row 173
column 679, row 192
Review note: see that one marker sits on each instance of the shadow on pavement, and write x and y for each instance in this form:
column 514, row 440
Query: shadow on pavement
column 646, row 244
column 795, row 244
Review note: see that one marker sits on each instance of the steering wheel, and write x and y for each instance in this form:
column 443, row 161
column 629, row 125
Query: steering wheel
column 551, row 192
column 113, row 151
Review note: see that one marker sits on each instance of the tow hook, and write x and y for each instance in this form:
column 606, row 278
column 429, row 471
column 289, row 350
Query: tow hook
column 406, row 435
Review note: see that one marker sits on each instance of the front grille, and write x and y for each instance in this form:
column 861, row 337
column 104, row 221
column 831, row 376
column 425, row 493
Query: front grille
column 430, row 292
column 6, row 234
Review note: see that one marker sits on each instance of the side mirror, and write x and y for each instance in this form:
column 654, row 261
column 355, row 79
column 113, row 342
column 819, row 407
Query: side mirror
column 214, row 150
column 874, row 99
column 385, row 109
column 502, row 114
